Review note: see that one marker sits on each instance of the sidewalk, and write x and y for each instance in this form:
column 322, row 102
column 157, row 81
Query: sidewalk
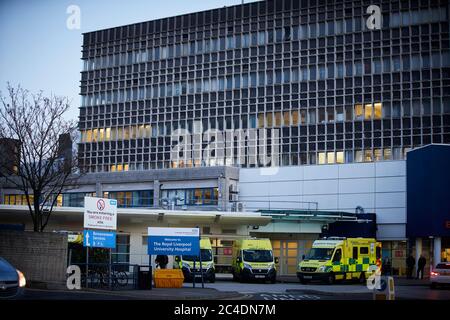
column 173, row 294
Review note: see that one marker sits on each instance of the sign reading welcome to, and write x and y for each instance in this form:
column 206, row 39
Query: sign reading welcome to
column 173, row 241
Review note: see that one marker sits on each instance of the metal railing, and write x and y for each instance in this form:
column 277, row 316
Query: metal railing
column 115, row 276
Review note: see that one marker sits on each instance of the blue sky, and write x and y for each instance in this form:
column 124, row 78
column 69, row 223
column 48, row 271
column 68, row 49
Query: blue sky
column 38, row 51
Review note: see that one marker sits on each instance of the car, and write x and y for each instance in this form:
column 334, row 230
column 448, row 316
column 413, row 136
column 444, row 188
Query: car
column 440, row 275
column 12, row 281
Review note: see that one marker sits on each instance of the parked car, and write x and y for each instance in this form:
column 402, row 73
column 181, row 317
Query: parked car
column 440, row 275
column 12, row 281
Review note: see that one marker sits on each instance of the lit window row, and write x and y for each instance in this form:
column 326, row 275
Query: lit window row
column 287, row 33
column 262, row 120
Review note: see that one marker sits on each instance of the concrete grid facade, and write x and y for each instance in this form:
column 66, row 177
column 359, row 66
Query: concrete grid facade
column 335, row 91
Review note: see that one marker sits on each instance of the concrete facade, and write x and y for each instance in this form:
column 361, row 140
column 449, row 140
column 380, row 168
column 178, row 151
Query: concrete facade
column 377, row 187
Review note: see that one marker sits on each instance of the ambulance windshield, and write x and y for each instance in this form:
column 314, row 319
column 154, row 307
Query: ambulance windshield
column 320, row 254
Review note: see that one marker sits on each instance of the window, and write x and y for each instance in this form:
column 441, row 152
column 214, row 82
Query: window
column 321, row 158
column 377, row 110
column 340, row 157
column 368, row 156
column 358, row 112
column 337, row 255
column 355, row 253
column 364, row 250
column 330, row 157
column 368, row 111
column 121, row 253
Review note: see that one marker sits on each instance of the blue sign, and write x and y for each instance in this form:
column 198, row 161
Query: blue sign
column 99, row 239
column 173, row 241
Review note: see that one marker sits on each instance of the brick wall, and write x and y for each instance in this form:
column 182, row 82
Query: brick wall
column 42, row 257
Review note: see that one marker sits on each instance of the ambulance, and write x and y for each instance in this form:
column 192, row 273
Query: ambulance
column 186, row 263
column 252, row 259
column 333, row 258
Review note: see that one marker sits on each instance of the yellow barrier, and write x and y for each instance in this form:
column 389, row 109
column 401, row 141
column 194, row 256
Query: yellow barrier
column 169, row 278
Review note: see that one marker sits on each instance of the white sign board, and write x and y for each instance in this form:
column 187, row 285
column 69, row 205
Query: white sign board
column 100, row 213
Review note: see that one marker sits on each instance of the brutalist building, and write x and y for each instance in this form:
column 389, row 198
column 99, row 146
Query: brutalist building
column 282, row 106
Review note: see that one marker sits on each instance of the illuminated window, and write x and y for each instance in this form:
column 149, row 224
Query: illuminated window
column 261, row 120
column 387, row 154
column 119, row 133
column 94, row 135
column 126, row 133
column 377, row 155
column 358, row 112
column 113, row 168
column 126, row 167
column 377, row 110
column 368, row 156
column 330, row 157
column 101, row 134
column 368, row 111
column 277, row 119
column 295, row 118
column 286, row 118
column 340, row 157
column 107, row 134
column 119, row 167
column 302, row 116
column 321, row 158
column 148, row 131
column 269, row 119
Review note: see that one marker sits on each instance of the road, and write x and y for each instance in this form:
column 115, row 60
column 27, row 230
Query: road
column 251, row 291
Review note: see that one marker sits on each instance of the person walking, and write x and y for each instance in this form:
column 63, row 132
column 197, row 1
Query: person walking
column 421, row 266
column 162, row 261
column 410, row 262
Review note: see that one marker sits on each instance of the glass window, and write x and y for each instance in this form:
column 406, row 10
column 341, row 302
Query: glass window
column 295, row 118
column 340, row 157
column 330, row 157
column 368, row 156
column 368, row 111
column 321, row 158
column 377, row 110
column 358, row 112
column 358, row 156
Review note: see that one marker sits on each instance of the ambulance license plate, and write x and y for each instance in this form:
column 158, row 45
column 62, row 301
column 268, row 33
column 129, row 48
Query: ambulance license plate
column 259, row 276
column 307, row 277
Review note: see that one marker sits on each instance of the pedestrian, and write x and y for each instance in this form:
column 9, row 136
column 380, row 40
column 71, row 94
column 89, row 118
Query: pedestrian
column 410, row 262
column 386, row 268
column 162, row 261
column 421, row 266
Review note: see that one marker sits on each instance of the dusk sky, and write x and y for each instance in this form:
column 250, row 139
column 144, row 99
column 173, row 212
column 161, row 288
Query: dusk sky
column 41, row 53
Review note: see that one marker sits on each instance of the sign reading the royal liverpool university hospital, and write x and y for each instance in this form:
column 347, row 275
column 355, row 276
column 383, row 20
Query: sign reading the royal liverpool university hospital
column 173, row 241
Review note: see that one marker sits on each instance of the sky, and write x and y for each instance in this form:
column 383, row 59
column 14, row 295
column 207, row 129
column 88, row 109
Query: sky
column 39, row 52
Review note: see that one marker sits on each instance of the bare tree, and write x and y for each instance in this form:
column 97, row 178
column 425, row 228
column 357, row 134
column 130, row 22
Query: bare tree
column 35, row 141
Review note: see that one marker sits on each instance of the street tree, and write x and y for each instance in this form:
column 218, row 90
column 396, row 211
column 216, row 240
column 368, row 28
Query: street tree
column 36, row 149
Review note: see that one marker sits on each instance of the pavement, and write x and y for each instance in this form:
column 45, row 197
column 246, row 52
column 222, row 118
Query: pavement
column 184, row 293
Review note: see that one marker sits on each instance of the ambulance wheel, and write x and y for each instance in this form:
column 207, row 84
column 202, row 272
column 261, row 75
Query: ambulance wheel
column 234, row 276
column 331, row 279
column 212, row 279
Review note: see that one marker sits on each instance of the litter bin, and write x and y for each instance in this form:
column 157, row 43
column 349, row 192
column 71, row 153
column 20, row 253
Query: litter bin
column 145, row 278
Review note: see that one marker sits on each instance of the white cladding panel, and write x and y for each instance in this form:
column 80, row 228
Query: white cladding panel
column 377, row 187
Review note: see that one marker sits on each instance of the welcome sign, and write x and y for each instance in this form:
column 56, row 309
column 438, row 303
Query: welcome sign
column 173, row 241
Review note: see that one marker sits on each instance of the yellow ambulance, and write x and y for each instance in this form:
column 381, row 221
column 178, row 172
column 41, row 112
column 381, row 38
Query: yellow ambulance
column 186, row 263
column 333, row 258
column 253, row 259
